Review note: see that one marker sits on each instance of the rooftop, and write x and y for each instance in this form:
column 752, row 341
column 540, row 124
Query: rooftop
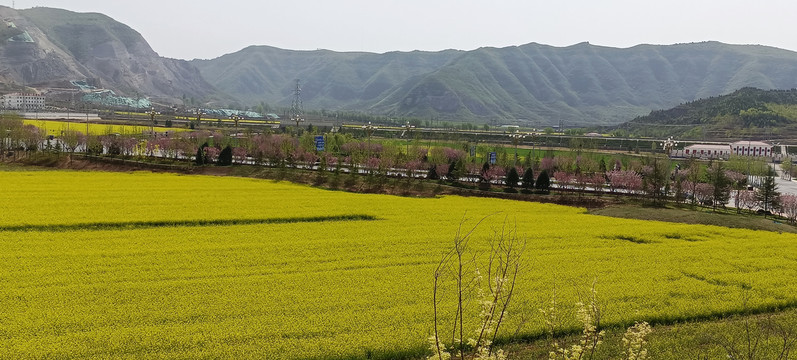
column 708, row 146
column 751, row 143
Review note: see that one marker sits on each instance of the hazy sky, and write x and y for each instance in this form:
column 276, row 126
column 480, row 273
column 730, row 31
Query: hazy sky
column 188, row 29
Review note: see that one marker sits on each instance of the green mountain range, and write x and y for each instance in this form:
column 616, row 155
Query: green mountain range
column 531, row 85
column 745, row 113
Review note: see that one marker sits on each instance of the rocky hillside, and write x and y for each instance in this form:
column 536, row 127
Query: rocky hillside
column 62, row 46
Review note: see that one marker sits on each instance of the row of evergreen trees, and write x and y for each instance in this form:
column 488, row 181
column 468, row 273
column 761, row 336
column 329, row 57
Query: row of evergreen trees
column 512, row 178
column 527, row 182
column 202, row 157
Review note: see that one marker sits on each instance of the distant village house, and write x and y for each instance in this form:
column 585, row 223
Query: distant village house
column 708, row 151
column 24, row 102
column 751, row 148
column 715, row 151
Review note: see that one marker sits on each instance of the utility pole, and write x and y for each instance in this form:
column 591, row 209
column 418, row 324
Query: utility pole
column 152, row 121
column 69, row 107
column 297, row 115
column 408, row 128
column 369, row 130
column 198, row 117
column 668, row 146
column 516, row 137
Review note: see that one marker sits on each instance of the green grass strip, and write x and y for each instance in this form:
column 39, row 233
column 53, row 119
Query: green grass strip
column 416, row 353
column 132, row 225
column 658, row 321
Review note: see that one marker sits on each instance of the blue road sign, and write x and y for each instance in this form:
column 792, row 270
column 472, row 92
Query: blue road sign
column 319, row 143
column 493, row 157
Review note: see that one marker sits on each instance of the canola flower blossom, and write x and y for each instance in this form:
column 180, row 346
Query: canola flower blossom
column 202, row 280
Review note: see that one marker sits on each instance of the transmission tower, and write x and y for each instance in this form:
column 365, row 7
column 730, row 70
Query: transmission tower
column 296, row 108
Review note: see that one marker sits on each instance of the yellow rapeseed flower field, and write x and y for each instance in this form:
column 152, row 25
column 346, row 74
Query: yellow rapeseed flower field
column 147, row 274
column 53, row 127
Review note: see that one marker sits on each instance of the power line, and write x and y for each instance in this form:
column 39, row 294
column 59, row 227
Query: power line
column 668, row 125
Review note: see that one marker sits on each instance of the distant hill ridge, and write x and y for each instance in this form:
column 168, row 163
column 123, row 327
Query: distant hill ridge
column 533, row 85
column 744, row 113
column 89, row 46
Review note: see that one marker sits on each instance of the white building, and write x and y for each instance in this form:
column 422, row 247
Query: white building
column 25, row 102
column 751, row 148
column 715, row 151
column 708, row 151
